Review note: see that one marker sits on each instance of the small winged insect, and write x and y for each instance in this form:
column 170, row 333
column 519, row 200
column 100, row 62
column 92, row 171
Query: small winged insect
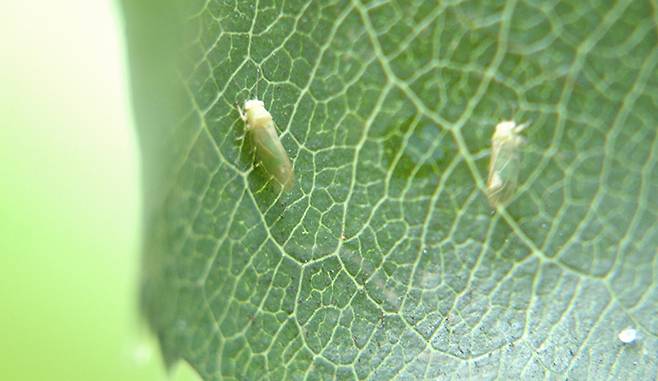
column 269, row 149
column 628, row 336
column 505, row 163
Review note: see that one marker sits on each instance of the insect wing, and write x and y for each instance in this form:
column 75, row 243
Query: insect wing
column 504, row 169
column 273, row 155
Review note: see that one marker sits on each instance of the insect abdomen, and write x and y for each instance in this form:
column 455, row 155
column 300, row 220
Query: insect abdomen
column 272, row 155
column 505, row 163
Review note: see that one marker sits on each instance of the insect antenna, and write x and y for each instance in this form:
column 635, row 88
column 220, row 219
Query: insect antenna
column 255, row 84
column 258, row 76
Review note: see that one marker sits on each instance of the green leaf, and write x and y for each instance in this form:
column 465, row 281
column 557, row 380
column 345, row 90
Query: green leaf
column 386, row 261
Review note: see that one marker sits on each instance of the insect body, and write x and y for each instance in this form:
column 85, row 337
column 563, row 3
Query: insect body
column 628, row 336
column 269, row 149
column 505, row 163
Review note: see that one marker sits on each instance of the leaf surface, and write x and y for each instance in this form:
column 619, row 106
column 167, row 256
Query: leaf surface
column 386, row 261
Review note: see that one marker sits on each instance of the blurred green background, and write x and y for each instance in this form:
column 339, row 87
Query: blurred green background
column 69, row 198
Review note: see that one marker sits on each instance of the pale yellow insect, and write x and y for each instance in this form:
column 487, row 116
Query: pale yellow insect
column 269, row 149
column 505, row 163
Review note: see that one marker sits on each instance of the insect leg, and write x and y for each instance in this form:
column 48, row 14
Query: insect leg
column 243, row 115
